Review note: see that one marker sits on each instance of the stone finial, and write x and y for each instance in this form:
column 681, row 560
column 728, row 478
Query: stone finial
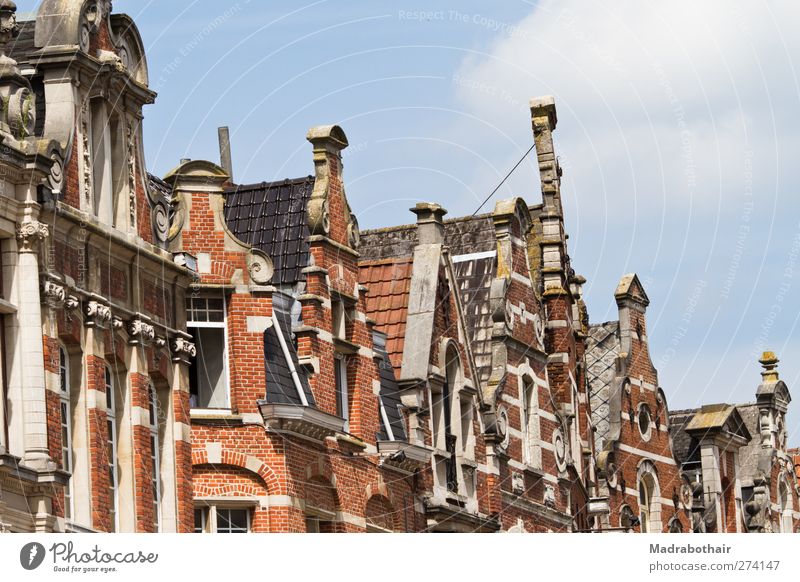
column 769, row 361
column 545, row 107
column 430, row 222
column 9, row 29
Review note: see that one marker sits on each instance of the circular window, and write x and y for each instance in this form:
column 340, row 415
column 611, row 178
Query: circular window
column 645, row 422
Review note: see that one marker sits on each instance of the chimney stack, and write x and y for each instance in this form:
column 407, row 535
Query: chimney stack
column 225, row 161
column 430, row 223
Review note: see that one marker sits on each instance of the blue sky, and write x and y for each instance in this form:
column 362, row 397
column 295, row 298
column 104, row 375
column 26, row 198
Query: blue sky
column 678, row 132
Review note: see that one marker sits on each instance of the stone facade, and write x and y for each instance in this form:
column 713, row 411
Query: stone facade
column 192, row 354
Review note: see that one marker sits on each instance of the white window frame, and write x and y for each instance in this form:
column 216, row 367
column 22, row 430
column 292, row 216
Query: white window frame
column 342, row 396
column 210, row 517
column 645, row 505
column 155, row 453
column 113, row 461
column 216, row 325
column 66, row 426
column 531, row 423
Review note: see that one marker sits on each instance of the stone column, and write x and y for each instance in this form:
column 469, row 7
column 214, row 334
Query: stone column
column 28, row 434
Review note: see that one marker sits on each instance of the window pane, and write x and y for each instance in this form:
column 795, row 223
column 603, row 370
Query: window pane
column 232, row 520
column 209, row 382
column 200, row 520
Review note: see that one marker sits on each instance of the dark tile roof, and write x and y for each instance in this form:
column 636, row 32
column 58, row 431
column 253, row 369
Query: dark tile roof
column 388, row 284
column 474, row 279
column 281, row 388
column 750, row 454
column 21, row 47
column 684, row 447
column 471, row 234
column 159, row 187
column 272, row 218
column 390, row 398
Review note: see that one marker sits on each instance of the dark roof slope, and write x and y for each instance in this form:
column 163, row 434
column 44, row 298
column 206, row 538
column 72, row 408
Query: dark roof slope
column 281, row 388
column 21, row 47
column 390, row 397
column 271, row 217
column 684, row 447
column 602, row 349
column 159, row 187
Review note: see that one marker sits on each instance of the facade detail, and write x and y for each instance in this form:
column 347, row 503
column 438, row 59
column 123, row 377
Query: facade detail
column 190, row 354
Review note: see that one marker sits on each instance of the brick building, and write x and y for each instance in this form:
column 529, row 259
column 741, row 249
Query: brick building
column 95, row 360
column 736, row 459
column 192, row 354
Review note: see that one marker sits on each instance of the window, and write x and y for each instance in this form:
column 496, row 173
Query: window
column 342, row 404
column 649, row 509
column 208, row 375
column 645, row 422
column 785, row 500
column 66, row 427
column 213, row 519
column 155, row 457
column 338, row 319
column 111, row 448
column 531, row 448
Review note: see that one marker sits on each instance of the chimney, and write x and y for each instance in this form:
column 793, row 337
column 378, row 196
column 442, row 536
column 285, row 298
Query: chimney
column 544, row 119
column 225, row 161
column 430, row 223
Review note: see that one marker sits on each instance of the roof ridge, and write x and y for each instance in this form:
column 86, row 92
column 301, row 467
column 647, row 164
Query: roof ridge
column 262, row 185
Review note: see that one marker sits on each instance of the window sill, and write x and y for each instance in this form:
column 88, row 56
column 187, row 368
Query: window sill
column 303, row 421
column 351, row 440
column 201, row 415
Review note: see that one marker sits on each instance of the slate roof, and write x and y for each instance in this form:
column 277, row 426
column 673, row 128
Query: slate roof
column 602, row 348
column 684, row 447
column 281, row 388
column 271, row 217
column 389, row 395
column 19, row 48
column 389, row 283
column 159, row 187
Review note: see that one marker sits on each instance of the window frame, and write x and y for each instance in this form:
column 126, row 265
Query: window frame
column 223, row 325
column 112, row 445
column 342, row 389
column 66, row 423
column 209, row 513
column 155, row 454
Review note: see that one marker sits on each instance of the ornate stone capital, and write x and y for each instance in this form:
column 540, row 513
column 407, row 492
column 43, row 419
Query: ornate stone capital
column 30, row 234
column 140, row 332
column 54, row 295
column 97, row 315
column 183, row 350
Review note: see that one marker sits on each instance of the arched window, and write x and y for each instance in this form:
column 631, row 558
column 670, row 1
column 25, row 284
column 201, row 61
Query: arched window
column 155, row 456
column 111, row 447
column 785, row 501
column 66, row 427
column 645, row 501
column 531, row 449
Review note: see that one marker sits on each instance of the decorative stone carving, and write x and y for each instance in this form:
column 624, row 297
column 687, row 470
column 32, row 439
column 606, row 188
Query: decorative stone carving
column 183, row 350
column 549, row 496
column 20, row 110
column 518, row 483
column 30, row 234
column 353, row 232
column 140, row 332
column 54, row 295
column 9, row 28
column 86, row 181
column 56, row 178
column 260, row 267
column 97, row 315
column 502, row 429
column 560, row 448
column 131, row 172
column 117, row 323
column 160, row 342
column 72, row 303
column 161, row 222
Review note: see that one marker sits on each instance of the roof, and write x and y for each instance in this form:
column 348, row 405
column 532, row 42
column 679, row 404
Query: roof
column 159, row 186
column 21, row 47
column 271, row 217
column 684, row 446
column 388, row 282
column 281, row 388
column 389, row 395
column 750, row 454
column 602, row 349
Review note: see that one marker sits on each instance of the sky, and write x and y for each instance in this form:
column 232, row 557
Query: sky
column 678, row 134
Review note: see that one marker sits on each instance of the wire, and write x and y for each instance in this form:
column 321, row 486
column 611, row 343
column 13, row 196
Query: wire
column 504, row 180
